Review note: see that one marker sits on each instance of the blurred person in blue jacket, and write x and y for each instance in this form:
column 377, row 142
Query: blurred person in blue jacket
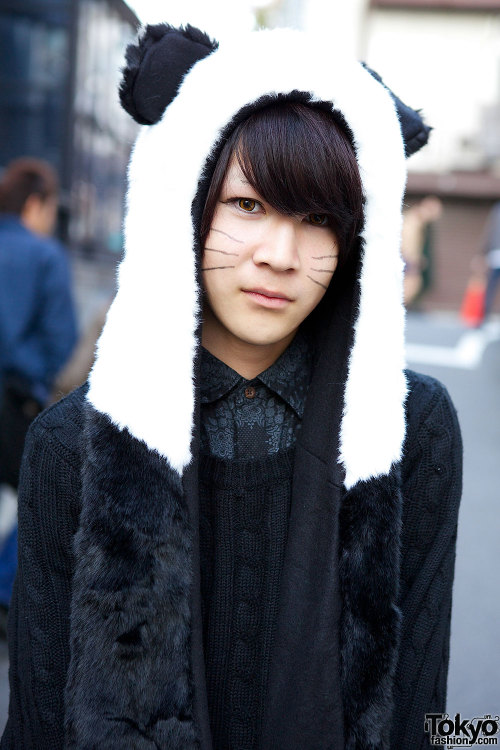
column 37, row 320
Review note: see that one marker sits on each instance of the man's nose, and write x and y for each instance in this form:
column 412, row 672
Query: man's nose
column 279, row 245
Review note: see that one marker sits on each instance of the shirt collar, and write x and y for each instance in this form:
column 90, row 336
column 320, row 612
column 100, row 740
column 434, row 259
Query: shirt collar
column 288, row 377
column 217, row 378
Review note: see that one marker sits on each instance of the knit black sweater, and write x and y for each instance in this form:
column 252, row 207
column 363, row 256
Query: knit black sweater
column 49, row 508
column 248, row 430
column 244, row 509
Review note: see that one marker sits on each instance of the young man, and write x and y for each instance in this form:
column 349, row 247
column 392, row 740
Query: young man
column 256, row 504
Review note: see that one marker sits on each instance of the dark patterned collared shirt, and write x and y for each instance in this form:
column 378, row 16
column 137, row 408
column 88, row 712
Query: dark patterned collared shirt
column 246, row 419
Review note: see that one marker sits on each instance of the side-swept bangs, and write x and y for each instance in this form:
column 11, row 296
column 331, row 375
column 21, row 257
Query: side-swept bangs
column 299, row 158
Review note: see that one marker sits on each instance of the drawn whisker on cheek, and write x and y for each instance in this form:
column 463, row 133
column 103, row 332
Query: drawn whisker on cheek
column 223, row 252
column 323, row 270
column 216, row 268
column 317, row 282
column 213, row 229
column 322, row 257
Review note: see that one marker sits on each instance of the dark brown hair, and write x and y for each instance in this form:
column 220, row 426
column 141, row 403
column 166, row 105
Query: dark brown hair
column 24, row 177
column 300, row 160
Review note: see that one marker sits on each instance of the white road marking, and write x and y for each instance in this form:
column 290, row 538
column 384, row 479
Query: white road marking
column 466, row 354
column 8, row 511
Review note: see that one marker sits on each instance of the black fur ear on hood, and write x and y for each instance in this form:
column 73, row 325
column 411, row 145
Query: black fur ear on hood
column 415, row 131
column 156, row 66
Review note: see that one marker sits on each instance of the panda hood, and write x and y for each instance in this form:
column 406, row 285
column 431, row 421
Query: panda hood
column 151, row 332
column 140, row 478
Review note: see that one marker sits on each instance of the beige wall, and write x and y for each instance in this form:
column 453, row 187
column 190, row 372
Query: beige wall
column 339, row 23
column 448, row 64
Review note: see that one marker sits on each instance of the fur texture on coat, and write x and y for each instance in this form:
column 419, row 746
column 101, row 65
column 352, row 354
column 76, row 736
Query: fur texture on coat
column 136, row 675
column 131, row 613
column 130, row 674
column 369, row 563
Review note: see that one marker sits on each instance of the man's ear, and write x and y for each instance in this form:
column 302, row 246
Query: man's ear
column 156, row 66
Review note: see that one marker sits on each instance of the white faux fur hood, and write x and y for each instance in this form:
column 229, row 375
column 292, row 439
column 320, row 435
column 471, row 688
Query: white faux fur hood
column 149, row 342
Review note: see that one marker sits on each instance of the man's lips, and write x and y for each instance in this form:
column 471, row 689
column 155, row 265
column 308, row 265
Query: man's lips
column 268, row 298
column 268, row 293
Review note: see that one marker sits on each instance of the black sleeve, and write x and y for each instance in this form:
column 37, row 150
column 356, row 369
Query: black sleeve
column 38, row 626
column 432, row 487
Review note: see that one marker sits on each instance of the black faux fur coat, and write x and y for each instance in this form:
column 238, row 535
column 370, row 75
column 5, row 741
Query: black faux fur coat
column 125, row 696
column 106, row 628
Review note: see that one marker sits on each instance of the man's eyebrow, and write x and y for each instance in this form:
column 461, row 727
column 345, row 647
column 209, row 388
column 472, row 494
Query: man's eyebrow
column 238, row 178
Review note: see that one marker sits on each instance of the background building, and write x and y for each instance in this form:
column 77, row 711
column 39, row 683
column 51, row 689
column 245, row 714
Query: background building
column 445, row 56
column 60, row 65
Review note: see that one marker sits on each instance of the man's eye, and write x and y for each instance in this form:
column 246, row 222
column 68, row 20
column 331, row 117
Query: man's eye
column 319, row 220
column 247, row 204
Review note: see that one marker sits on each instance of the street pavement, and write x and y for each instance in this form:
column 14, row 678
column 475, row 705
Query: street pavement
column 468, row 363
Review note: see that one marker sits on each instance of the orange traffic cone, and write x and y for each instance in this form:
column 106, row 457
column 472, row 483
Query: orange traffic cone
column 472, row 309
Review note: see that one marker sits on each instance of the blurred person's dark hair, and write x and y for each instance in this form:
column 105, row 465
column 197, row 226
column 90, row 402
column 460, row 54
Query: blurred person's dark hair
column 23, row 178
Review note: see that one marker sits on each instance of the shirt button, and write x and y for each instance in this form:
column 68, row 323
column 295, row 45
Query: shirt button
column 250, row 392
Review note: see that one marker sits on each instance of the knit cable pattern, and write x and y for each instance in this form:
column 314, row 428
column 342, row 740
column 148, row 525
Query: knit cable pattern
column 432, row 485
column 244, row 516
